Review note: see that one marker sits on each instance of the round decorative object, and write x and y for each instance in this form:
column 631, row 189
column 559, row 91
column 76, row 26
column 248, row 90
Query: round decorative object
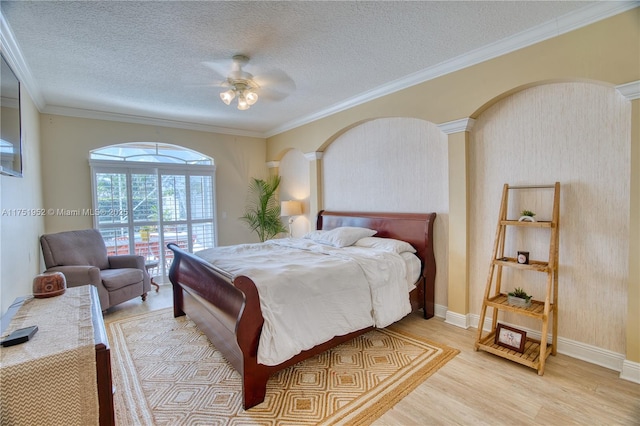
column 49, row 284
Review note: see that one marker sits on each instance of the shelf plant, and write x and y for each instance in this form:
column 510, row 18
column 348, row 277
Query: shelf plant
column 527, row 216
column 519, row 297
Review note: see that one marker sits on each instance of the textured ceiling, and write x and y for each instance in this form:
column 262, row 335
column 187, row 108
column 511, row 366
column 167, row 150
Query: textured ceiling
column 158, row 59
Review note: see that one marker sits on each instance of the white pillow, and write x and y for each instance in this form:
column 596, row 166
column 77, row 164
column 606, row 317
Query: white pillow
column 314, row 235
column 386, row 244
column 343, row 236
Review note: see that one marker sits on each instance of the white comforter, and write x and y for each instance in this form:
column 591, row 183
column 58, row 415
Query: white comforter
column 310, row 293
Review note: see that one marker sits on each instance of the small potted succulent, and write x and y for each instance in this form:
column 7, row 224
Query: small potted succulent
column 527, row 216
column 519, row 297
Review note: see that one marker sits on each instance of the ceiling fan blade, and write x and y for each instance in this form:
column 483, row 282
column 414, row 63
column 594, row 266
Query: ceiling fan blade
column 275, row 85
column 272, row 95
column 217, row 85
column 221, row 68
column 204, row 79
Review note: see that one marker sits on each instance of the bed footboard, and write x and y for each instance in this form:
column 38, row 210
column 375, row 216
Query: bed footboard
column 227, row 310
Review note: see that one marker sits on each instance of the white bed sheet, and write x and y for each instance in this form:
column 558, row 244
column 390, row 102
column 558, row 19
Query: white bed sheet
column 414, row 268
column 310, row 293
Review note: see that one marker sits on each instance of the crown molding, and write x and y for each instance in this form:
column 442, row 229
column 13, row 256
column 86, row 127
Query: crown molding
column 630, row 91
column 457, row 126
column 586, row 16
column 564, row 24
column 313, row 156
column 150, row 121
column 13, row 55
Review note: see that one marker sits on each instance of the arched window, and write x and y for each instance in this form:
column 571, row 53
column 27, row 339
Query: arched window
column 147, row 194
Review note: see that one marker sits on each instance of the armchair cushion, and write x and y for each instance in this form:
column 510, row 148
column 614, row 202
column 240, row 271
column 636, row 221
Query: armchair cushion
column 85, row 247
column 114, row 279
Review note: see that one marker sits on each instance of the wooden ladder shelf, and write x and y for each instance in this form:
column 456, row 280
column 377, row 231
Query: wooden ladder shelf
column 535, row 351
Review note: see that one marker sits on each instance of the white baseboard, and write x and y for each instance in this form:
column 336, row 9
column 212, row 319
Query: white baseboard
column 605, row 358
column 456, row 319
column 630, row 371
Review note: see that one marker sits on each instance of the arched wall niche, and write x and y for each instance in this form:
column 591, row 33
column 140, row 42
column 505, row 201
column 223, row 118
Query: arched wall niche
column 393, row 164
column 579, row 134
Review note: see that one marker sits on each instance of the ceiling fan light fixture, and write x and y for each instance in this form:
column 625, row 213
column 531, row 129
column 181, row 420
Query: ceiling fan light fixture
column 228, row 96
column 242, row 92
column 241, row 85
column 242, row 103
column 251, row 97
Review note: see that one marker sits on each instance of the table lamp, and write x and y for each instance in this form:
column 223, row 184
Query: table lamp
column 290, row 209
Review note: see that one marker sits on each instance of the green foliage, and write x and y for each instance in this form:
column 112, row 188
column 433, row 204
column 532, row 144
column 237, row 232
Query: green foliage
column 519, row 292
column 262, row 212
column 527, row 213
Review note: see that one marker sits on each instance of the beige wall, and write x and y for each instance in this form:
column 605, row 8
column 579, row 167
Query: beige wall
column 605, row 53
column 20, row 229
column 66, row 142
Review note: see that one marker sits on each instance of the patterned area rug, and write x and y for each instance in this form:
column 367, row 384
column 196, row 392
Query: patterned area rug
column 166, row 372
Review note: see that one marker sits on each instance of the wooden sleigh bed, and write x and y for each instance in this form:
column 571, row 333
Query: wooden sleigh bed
column 227, row 308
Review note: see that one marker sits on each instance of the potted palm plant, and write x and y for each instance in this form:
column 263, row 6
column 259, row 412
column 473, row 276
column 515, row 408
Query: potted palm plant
column 262, row 212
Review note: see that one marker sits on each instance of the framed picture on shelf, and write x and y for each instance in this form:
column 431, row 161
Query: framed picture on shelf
column 510, row 337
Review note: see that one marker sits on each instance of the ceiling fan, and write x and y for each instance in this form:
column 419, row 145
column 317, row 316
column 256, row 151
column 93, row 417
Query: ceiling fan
column 247, row 88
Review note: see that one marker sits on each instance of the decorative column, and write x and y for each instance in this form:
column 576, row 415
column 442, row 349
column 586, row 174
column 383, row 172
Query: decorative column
column 631, row 364
column 458, row 289
column 315, row 184
column 274, row 168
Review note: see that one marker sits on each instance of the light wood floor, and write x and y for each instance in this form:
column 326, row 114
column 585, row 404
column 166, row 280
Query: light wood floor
column 477, row 388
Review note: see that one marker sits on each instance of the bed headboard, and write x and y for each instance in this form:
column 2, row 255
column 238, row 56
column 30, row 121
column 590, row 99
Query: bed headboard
column 414, row 228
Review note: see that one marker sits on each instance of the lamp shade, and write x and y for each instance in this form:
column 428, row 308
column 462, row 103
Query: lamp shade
column 290, row 208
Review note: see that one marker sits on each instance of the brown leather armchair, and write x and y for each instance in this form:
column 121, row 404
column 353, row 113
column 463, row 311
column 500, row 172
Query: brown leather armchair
column 82, row 257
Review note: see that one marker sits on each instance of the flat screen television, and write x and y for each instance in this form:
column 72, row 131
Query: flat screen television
column 10, row 126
